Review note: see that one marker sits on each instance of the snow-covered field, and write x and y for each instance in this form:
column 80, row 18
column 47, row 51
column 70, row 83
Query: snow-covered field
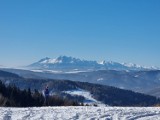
column 82, row 113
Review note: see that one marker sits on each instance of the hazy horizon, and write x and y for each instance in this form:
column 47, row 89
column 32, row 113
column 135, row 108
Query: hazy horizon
column 120, row 31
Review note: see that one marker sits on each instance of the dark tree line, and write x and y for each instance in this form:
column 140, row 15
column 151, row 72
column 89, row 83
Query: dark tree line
column 11, row 96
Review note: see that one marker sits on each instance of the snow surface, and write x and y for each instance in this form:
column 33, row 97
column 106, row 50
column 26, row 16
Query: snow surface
column 78, row 71
column 56, row 71
column 100, row 79
column 87, row 95
column 80, row 113
column 49, row 71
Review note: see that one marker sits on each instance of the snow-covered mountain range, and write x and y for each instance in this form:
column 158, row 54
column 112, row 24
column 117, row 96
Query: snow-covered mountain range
column 65, row 63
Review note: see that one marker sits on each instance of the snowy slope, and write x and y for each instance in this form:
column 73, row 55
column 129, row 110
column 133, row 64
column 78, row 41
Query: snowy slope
column 87, row 95
column 80, row 113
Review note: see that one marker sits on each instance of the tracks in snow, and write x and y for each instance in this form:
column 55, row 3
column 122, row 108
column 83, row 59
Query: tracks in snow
column 80, row 113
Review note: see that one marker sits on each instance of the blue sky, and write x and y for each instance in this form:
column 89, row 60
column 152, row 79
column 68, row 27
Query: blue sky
column 122, row 31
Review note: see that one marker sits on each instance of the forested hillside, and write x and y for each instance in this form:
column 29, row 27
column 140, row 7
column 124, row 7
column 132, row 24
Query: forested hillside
column 11, row 96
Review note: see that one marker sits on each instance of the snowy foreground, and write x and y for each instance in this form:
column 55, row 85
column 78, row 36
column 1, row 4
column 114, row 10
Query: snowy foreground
column 81, row 113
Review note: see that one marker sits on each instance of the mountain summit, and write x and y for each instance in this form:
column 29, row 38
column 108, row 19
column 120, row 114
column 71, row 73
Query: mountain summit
column 65, row 63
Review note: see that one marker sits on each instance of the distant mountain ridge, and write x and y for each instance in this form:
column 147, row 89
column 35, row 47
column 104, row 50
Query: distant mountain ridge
column 65, row 63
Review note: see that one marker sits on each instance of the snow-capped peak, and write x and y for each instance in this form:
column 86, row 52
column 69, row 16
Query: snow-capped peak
column 66, row 59
column 131, row 65
column 60, row 59
column 44, row 60
column 48, row 61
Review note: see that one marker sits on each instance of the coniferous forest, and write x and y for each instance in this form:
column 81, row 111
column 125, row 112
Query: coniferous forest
column 12, row 96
